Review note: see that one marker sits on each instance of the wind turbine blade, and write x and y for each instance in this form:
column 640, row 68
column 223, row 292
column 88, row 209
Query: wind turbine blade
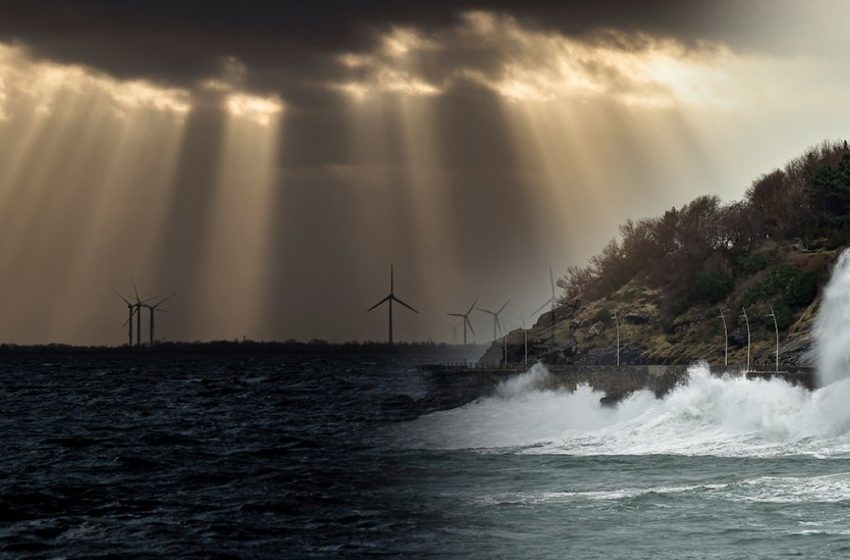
column 503, row 307
column 499, row 324
column 119, row 295
column 404, row 304
column 485, row 311
column 471, row 307
column 163, row 300
column 552, row 281
column 456, row 314
column 386, row 299
column 136, row 292
column 469, row 324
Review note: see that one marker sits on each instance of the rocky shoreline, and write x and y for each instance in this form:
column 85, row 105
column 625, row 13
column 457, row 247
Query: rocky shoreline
column 584, row 333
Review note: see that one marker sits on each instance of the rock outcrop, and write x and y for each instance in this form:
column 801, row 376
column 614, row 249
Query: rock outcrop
column 585, row 332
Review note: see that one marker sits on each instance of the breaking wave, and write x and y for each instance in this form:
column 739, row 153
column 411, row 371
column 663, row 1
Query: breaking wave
column 832, row 325
column 709, row 415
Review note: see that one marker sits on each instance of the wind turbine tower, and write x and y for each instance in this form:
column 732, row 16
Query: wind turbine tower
column 466, row 321
column 152, row 319
column 390, row 299
column 454, row 331
column 497, row 325
column 138, row 305
column 130, row 310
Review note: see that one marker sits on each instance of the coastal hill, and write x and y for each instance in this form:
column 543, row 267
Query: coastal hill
column 668, row 278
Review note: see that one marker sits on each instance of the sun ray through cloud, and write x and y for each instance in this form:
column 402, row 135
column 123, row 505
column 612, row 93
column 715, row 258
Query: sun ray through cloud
column 240, row 227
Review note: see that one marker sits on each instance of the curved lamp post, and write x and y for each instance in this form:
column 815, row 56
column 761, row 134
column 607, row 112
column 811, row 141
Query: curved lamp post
column 617, row 321
column 747, row 320
column 725, row 339
column 776, row 330
column 525, row 333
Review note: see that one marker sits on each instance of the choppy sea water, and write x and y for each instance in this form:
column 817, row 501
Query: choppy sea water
column 294, row 457
column 719, row 468
column 195, row 456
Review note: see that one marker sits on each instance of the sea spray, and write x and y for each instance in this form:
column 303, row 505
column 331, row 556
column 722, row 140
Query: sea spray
column 537, row 378
column 832, row 325
column 709, row 415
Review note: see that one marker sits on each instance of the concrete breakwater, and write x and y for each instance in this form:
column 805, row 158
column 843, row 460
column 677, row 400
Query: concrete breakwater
column 452, row 386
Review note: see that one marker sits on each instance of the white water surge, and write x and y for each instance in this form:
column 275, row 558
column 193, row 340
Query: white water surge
column 710, row 415
column 832, row 325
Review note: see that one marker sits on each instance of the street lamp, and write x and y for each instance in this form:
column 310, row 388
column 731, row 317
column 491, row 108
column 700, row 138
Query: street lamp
column 725, row 340
column 776, row 329
column 617, row 321
column 747, row 320
column 525, row 332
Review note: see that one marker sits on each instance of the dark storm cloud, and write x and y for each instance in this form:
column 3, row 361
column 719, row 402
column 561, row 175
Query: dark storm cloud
column 181, row 42
column 345, row 199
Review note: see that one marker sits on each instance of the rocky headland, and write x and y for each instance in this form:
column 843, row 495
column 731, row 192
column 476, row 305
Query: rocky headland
column 667, row 280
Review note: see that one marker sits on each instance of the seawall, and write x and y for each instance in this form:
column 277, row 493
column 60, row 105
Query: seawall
column 453, row 386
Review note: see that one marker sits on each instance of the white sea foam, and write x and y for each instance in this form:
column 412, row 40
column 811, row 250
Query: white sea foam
column 832, row 488
column 832, row 325
column 709, row 415
column 530, row 498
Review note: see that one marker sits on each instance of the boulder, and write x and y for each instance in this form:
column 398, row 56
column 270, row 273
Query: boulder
column 611, row 400
column 738, row 337
column 555, row 356
column 637, row 318
column 631, row 354
column 596, row 328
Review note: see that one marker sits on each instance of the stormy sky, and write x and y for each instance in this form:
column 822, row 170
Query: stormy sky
column 269, row 161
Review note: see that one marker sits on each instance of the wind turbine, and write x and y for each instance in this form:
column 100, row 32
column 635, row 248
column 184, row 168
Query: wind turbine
column 497, row 325
column 391, row 298
column 129, row 322
column 153, row 309
column 466, row 321
column 551, row 301
column 454, row 332
column 138, row 306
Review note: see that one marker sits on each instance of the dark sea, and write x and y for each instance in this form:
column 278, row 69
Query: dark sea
column 312, row 456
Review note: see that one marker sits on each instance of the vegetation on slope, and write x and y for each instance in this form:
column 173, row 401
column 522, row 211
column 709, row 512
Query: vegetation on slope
column 668, row 277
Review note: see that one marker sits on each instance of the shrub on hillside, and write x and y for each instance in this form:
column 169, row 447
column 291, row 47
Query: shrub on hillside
column 713, row 286
column 757, row 260
column 684, row 253
column 784, row 315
